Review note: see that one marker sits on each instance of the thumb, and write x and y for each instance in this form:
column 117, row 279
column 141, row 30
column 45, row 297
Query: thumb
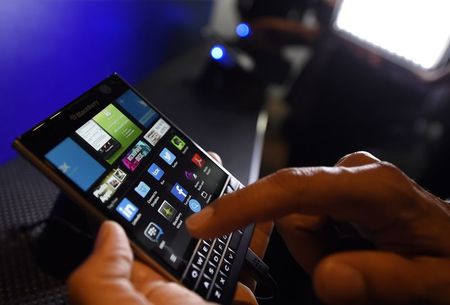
column 367, row 277
column 112, row 255
column 109, row 263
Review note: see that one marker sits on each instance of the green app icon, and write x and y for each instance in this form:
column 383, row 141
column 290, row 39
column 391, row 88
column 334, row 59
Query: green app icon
column 178, row 143
column 167, row 211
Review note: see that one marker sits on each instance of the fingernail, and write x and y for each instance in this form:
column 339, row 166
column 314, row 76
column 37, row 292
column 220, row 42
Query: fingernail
column 103, row 234
column 342, row 284
column 198, row 220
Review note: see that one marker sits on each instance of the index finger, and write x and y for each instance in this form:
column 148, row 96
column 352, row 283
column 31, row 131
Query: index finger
column 370, row 195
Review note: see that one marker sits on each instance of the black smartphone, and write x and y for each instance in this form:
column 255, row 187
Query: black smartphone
column 117, row 156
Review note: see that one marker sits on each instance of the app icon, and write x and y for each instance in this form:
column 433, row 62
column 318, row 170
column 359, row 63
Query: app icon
column 167, row 211
column 135, row 156
column 179, row 192
column 178, row 143
column 198, row 160
column 157, row 132
column 167, row 156
column 127, row 209
column 153, row 232
column 194, row 205
column 191, row 176
column 173, row 258
column 156, row 171
column 142, row 189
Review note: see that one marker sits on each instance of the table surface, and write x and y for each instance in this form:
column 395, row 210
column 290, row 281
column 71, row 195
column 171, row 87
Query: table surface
column 26, row 196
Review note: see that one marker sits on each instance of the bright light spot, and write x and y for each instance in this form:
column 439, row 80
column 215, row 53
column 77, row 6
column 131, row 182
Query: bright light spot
column 242, row 30
column 416, row 30
column 217, row 52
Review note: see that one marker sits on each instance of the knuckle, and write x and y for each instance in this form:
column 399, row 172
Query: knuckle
column 297, row 179
column 365, row 154
column 288, row 177
column 358, row 158
column 120, row 257
column 389, row 169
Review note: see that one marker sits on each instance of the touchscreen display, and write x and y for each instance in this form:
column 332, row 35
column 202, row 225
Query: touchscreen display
column 142, row 172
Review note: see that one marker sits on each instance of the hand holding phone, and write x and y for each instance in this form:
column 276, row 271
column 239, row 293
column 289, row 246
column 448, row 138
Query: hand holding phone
column 101, row 278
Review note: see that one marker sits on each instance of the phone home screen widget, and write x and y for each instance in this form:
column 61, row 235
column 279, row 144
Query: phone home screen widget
column 167, row 211
column 153, row 232
column 198, row 160
column 179, row 192
column 194, row 205
column 178, row 143
column 156, row 171
column 142, row 189
column 127, row 209
column 167, row 156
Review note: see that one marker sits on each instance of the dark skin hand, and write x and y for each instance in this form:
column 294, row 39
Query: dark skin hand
column 112, row 276
column 409, row 226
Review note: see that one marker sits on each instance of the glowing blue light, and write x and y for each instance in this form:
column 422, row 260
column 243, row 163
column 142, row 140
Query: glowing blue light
column 242, row 30
column 217, row 52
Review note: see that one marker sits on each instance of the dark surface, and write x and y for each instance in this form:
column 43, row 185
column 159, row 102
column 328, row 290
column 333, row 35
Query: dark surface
column 27, row 197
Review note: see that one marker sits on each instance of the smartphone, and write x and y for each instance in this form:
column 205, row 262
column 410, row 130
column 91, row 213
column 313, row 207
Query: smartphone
column 119, row 158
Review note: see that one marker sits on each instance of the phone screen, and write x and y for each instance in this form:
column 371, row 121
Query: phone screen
column 138, row 169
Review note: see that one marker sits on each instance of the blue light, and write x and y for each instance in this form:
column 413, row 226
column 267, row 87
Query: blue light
column 217, row 52
column 242, row 30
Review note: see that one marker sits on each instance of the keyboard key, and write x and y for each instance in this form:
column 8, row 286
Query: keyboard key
column 199, row 261
column 216, row 294
column 215, row 258
column 210, row 270
column 225, row 268
column 229, row 190
column 224, row 238
column 234, row 183
column 219, row 247
column 221, row 280
column 229, row 256
column 204, row 286
column 204, row 248
column 192, row 276
column 235, row 240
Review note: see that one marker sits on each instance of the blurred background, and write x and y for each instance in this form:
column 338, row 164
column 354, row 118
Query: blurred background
column 330, row 83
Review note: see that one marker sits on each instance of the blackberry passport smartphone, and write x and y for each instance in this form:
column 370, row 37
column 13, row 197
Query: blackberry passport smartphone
column 119, row 158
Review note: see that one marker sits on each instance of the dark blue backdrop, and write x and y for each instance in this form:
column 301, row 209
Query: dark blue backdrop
column 53, row 50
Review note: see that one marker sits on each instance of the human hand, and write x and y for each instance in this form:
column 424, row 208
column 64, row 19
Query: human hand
column 111, row 276
column 408, row 225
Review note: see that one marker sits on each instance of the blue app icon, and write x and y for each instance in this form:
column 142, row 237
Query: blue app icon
column 127, row 209
column 194, row 205
column 179, row 192
column 156, row 171
column 167, row 156
column 142, row 189
column 153, row 232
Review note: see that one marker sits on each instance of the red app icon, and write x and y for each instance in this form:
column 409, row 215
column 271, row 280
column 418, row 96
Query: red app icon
column 197, row 160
